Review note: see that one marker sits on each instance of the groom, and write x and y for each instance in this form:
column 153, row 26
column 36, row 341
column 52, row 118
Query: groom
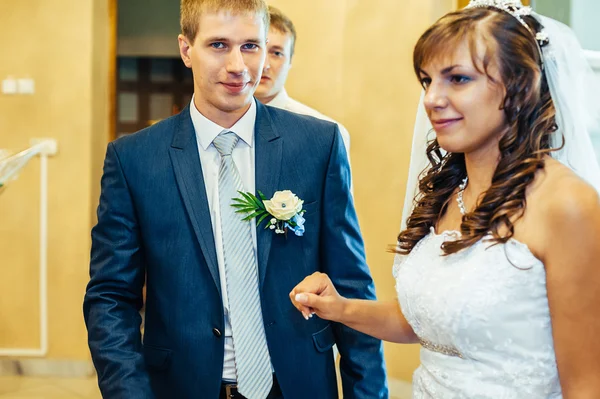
column 218, row 320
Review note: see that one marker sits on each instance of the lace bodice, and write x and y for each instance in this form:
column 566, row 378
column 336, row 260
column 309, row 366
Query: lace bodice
column 483, row 318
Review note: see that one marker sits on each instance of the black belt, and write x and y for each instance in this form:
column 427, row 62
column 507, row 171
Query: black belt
column 229, row 391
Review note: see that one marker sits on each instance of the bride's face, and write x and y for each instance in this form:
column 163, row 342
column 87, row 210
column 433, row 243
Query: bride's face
column 463, row 102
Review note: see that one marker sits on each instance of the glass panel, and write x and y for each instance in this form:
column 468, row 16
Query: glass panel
column 594, row 60
column 556, row 9
column 187, row 99
column 596, row 141
column 186, row 73
column 161, row 106
column 161, row 70
column 128, row 69
column 128, row 107
column 584, row 20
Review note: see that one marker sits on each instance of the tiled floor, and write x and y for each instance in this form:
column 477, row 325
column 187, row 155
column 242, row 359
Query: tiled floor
column 398, row 389
column 68, row 388
column 48, row 388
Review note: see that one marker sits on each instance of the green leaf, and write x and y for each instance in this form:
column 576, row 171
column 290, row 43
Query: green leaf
column 248, row 197
column 255, row 214
column 245, row 195
column 251, row 210
column 240, row 200
column 256, row 201
column 263, row 218
column 262, row 200
column 244, row 205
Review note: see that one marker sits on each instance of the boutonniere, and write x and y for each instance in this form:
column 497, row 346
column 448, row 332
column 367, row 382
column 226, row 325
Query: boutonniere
column 284, row 211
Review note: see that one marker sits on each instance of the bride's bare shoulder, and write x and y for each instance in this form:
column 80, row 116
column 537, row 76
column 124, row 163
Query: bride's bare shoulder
column 558, row 186
column 561, row 199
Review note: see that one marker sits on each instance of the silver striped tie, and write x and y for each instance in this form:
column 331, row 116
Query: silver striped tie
column 252, row 361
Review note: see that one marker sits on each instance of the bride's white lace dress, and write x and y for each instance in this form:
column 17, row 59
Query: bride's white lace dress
column 483, row 320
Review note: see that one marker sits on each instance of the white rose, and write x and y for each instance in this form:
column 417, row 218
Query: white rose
column 284, row 205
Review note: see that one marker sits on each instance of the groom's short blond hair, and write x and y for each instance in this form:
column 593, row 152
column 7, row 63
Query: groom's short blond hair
column 191, row 10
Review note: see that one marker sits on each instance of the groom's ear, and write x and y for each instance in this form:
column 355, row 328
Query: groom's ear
column 185, row 49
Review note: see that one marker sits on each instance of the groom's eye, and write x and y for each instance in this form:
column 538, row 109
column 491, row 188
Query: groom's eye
column 218, row 45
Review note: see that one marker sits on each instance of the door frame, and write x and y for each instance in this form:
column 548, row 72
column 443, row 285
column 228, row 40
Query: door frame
column 112, row 69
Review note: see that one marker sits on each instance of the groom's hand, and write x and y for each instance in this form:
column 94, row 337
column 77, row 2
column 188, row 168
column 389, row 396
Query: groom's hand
column 316, row 294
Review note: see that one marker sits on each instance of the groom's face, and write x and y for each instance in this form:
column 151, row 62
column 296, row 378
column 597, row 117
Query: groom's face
column 226, row 57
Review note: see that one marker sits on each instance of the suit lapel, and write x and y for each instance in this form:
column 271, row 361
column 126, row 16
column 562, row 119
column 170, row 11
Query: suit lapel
column 188, row 173
column 268, row 156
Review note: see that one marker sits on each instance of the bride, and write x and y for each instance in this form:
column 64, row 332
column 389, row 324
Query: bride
column 497, row 270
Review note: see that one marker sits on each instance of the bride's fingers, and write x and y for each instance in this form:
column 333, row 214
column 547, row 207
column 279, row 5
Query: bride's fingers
column 306, row 311
column 311, row 301
column 312, row 285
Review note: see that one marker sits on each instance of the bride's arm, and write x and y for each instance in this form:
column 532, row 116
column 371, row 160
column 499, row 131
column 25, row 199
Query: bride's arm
column 571, row 256
column 383, row 320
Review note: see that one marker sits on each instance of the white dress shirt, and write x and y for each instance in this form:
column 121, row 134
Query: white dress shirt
column 243, row 156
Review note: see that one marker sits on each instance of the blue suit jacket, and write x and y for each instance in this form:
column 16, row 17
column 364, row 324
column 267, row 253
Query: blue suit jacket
column 154, row 223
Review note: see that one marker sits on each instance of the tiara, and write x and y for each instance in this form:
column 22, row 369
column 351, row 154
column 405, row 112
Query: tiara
column 513, row 7
column 518, row 11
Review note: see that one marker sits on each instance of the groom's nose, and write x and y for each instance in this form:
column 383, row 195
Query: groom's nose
column 236, row 63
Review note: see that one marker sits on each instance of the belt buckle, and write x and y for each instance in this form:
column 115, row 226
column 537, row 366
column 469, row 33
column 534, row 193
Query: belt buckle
column 231, row 390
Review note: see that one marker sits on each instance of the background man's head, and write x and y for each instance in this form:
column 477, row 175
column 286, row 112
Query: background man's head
column 224, row 43
column 280, row 50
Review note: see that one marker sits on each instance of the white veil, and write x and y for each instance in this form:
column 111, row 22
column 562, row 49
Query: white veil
column 575, row 91
column 423, row 133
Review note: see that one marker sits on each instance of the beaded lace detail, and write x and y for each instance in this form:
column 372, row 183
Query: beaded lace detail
column 483, row 319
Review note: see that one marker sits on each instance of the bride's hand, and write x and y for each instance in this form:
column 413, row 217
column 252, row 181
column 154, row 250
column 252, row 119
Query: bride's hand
column 316, row 294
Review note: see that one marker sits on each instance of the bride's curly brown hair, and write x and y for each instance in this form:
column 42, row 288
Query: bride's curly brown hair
column 530, row 116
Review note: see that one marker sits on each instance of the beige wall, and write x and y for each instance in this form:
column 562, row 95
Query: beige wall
column 353, row 63
column 63, row 46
